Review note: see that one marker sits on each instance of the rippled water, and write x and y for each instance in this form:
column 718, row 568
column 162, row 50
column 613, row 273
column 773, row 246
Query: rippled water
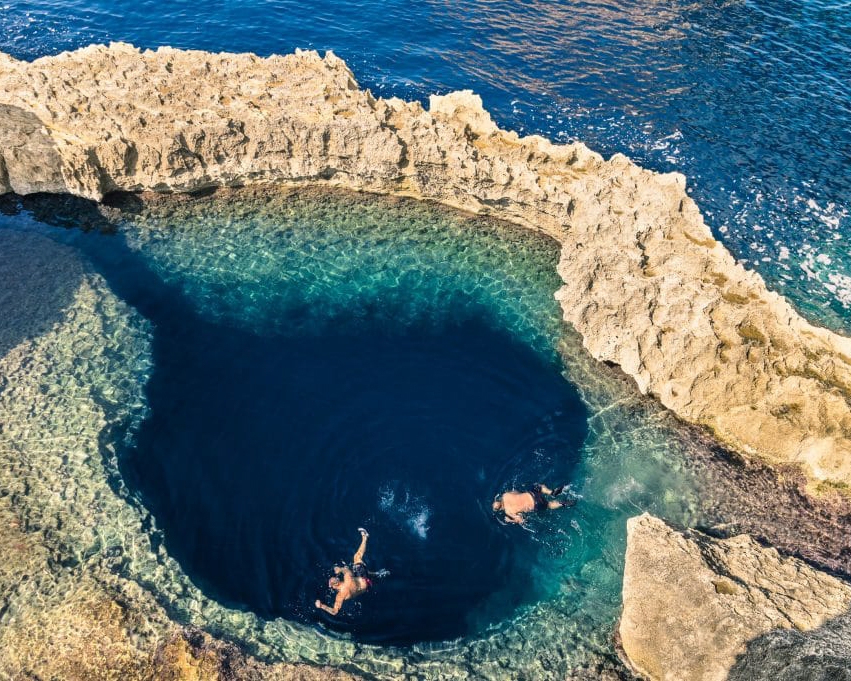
column 751, row 99
column 321, row 368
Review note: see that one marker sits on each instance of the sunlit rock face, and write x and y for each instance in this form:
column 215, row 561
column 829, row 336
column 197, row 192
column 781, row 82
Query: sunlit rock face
column 645, row 284
column 713, row 609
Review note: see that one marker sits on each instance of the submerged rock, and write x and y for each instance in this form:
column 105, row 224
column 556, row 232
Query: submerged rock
column 69, row 608
column 646, row 285
column 709, row 609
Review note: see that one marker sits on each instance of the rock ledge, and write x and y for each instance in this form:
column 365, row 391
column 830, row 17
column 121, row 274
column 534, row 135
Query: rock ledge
column 705, row 609
column 646, row 284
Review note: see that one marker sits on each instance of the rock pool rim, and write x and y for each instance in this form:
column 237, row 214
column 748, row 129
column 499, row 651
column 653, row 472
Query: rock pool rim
column 646, row 284
column 70, row 211
column 61, row 217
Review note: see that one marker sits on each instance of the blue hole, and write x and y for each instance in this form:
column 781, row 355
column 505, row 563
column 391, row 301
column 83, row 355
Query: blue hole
column 263, row 455
column 323, row 363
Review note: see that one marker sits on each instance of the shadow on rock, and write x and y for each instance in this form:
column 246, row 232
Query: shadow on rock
column 29, row 161
column 39, row 275
column 822, row 654
column 39, row 279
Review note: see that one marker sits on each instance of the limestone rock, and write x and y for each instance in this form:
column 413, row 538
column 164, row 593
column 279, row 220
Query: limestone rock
column 83, row 629
column 645, row 283
column 705, row 609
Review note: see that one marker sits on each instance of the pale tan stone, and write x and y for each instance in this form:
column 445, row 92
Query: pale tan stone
column 702, row 609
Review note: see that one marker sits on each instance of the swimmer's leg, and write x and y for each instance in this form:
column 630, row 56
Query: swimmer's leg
column 364, row 535
column 546, row 490
column 561, row 504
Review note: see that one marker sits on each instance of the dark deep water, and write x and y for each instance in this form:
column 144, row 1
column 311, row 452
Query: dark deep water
column 263, row 454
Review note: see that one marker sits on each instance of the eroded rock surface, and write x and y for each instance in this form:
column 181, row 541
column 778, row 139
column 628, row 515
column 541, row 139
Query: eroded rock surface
column 645, row 283
column 705, row 609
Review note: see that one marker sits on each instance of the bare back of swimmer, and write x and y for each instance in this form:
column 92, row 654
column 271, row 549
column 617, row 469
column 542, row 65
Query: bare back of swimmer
column 515, row 503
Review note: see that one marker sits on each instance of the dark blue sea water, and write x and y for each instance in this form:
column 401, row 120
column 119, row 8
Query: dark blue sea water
column 751, row 99
column 262, row 456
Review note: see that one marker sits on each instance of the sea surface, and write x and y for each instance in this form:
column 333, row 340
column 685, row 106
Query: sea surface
column 321, row 362
column 750, row 99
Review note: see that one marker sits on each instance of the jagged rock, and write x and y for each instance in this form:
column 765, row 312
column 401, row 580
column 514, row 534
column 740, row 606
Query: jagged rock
column 707, row 609
column 645, row 283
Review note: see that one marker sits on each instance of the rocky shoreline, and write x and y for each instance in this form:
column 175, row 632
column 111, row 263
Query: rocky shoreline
column 709, row 609
column 645, row 285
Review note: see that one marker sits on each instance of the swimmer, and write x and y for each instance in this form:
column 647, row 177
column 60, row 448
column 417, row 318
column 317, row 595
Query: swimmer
column 515, row 503
column 349, row 583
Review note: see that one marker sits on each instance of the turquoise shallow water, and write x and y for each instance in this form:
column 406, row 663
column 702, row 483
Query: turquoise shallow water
column 320, row 368
column 247, row 272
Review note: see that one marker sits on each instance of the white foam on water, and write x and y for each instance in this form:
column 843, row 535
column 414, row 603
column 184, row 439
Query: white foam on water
column 386, row 497
column 840, row 286
column 419, row 523
column 623, row 491
column 410, row 512
column 820, row 268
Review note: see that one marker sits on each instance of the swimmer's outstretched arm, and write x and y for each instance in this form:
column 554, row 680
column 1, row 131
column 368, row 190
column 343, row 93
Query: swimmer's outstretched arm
column 338, row 602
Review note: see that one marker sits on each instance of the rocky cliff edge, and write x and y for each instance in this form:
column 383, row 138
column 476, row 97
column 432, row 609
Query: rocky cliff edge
column 645, row 283
column 707, row 609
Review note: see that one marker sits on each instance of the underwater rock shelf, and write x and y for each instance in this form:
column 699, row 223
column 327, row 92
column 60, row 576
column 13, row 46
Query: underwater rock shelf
column 644, row 284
